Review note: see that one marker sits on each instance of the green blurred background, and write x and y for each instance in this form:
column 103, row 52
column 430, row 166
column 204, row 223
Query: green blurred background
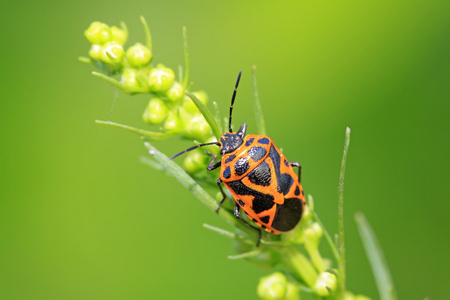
column 82, row 218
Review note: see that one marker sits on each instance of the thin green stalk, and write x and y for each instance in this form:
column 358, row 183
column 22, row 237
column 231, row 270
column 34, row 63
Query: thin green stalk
column 148, row 134
column 260, row 124
column 341, row 210
column 124, row 27
column 186, row 58
column 148, row 36
column 206, row 114
column 377, row 260
column 314, row 253
column 301, row 265
column 327, row 237
column 119, row 84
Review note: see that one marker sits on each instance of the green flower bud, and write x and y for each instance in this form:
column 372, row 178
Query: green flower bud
column 129, row 78
column 198, row 128
column 112, row 53
column 350, row 296
column 296, row 236
column 155, row 112
column 326, row 283
column 272, row 287
column 138, row 55
column 195, row 161
column 292, row 292
column 307, row 214
column 175, row 92
column 118, row 35
column 161, row 79
column 98, row 33
column 173, row 123
column 189, row 105
column 313, row 232
column 95, row 52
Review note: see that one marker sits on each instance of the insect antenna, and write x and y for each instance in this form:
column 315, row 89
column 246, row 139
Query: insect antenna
column 193, row 148
column 232, row 100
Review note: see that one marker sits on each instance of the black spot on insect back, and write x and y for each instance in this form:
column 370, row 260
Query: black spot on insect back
column 284, row 183
column 226, row 173
column 265, row 219
column 249, row 142
column 241, row 166
column 286, row 162
column 256, row 153
column 261, row 202
column 297, row 191
column 241, row 203
column 261, row 175
column 264, row 141
column 230, row 158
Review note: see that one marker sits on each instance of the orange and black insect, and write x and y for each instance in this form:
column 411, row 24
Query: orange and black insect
column 259, row 177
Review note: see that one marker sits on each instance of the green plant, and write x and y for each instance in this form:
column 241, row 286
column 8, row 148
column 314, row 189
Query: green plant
column 300, row 267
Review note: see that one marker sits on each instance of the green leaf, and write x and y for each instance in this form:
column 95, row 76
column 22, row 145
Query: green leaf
column 377, row 261
column 260, row 124
column 206, row 113
column 148, row 134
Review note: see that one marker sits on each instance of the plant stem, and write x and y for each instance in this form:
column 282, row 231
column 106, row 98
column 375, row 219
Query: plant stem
column 301, row 265
column 341, row 210
column 186, row 58
column 148, row 36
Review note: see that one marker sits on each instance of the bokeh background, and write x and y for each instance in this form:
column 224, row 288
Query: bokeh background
column 82, row 218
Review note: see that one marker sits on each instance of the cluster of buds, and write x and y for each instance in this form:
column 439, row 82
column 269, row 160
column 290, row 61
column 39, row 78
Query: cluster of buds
column 169, row 107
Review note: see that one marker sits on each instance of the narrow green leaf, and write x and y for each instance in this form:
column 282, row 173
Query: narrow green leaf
column 124, row 28
column 341, row 210
column 260, row 124
column 148, row 134
column 327, row 237
column 220, row 231
column 186, row 58
column 84, row 59
column 148, row 36
column 377, row 261
column 206, row 113
column 189, row 183
column 229, row 234
column 119, row 84
column 245, row 254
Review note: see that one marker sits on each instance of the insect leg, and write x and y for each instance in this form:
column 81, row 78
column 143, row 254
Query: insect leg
column 296, row 164
column 219, row 181
column 212, row 165
column 237, row 215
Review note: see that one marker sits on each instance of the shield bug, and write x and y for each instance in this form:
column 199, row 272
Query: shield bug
column 259, row 177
